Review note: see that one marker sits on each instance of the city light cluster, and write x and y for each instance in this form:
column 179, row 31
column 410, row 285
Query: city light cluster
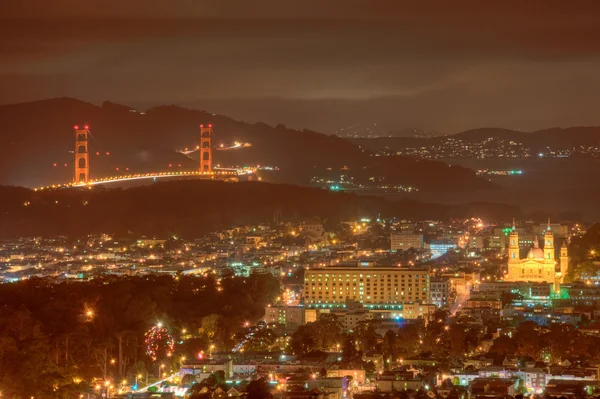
column 159, row 338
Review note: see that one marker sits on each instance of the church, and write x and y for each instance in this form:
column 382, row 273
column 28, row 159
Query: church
column 540, row 264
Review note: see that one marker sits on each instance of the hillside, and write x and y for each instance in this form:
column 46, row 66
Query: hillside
column 537, row 141
column 36, row 140
column 194, row 207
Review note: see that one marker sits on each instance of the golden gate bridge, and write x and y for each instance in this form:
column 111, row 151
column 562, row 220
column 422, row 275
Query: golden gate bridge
column 206, row 170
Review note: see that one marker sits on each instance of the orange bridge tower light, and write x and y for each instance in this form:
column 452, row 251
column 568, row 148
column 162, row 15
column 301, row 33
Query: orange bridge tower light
column 206, row 133
column 82, row 155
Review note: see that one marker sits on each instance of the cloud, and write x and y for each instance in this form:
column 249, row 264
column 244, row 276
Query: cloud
column 433, row 64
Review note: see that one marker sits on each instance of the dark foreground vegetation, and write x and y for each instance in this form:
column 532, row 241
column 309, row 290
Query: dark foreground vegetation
column 192, row 208
column 57, row 339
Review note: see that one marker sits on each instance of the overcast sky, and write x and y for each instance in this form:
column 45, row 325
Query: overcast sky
column 444, row 66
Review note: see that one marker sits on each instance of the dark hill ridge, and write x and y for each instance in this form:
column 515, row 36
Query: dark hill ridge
column 537, row 140
column 35, row 136
column 184, row 208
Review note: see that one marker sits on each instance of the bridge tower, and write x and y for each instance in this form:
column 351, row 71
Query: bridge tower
column 82, row 155
column 206, row 148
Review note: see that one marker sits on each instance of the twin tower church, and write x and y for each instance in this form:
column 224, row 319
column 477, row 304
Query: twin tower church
column 541, row 264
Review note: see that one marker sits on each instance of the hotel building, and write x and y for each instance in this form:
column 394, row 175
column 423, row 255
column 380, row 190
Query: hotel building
column 374, row 286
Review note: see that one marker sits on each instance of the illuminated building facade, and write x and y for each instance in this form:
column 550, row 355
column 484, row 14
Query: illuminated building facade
column 375, row 287
column 440, row 247
column 540, row 263
column 401, row 241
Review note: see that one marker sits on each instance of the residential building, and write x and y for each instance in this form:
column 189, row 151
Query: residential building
column 439, row 289
column 203, row 368
column 404, row 241
column 291, row 317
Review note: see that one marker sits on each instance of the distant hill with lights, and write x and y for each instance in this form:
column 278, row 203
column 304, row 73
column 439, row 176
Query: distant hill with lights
column 538, row 141
column 36, row 144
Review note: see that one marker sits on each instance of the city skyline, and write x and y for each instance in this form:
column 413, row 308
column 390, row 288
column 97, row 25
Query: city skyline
column 318, row 199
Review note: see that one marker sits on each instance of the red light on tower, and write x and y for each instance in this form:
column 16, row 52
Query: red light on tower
column 86, row 127
column 201, row 125
column 76, row 127
column 54, row 165
column 210, row 125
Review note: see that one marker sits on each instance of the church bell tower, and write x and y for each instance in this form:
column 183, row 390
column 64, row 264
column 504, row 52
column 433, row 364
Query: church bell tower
column 564, row 260
column 513, row 245
column 548, row 245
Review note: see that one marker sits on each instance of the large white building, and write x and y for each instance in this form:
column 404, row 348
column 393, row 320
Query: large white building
column 375, row 287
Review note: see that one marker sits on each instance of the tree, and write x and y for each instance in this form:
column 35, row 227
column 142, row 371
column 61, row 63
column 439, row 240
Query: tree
column 212, row 326
column 349, row 352
column 188, row 380
column 262, row 340
column 41, row 354
column 507, row 298
column 258, row 389
column 327, row 330
column 564, row 341
column 365, row 334
column 457, row 339
column 303, row 340
column 503, row 346
column 25, row 356
column 585, row 270
column 407, row 340
column 528, row 340
column 323, row 334
column 521, row 386
column 389, row 345
column 369, row 367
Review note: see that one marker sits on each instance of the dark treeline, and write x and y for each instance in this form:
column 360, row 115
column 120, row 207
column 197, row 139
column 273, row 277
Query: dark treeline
column 55, row 339
column 192, row 208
